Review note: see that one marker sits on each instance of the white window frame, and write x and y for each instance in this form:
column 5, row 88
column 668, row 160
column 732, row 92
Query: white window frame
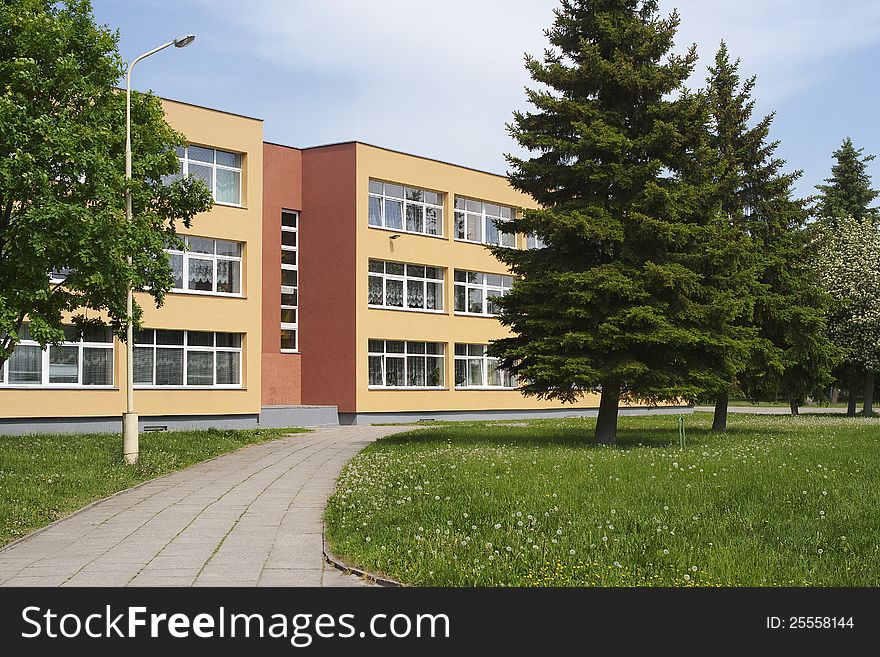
column 410, row 351
column 44, row 365
column 183, row 156
column 483, row 212
column 291, row 289
column 185, row 348
column 487, row 291
column 377, row 190
column 406, row 279
column 188, row 255
column 484, row 369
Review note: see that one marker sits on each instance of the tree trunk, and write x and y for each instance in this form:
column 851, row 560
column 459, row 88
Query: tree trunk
column 851, row 404
column 793, row 404
column 835, row 391
column 868, row 404
column 606, row 423
column 719, row 422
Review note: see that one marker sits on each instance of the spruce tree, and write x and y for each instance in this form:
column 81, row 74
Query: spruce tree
column 615, row 303
column 783, row 329
column 848, row 192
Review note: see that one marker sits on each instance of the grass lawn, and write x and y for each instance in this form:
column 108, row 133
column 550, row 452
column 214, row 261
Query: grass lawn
column 777, row 501
column 46, row 477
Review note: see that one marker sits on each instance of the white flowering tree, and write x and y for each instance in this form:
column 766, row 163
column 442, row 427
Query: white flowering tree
column 849, row 268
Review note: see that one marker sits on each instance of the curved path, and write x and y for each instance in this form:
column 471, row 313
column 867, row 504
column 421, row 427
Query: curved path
column 249, row 518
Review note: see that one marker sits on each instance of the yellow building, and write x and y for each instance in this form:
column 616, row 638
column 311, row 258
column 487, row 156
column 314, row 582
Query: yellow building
column 197, row 361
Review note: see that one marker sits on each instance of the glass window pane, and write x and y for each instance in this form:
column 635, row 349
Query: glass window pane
column 177, row 271
column 201, row 274
column 98, row 366
column 375, row 291
column 375, row 367
column 413, row 194
column 229, row 276
column 476, row 350
column 199, row 245
column 227, row 159
column 475, row 300
column 415, row 271
column 200, row 368
column 201, row 154
column 288, row 315
column 376, row 346
column 394, row 190
column 415, row 347
column 228, row 339
column 459, row 225
column 63, row 364
column 25, row 365
column 433, row 221
column 377, row 266
column 394, row 371
column 288, row 298
column 228, row 368
column 228, row 186
column 433, row 198
column 394, row 293
column 474, row 228
column 203, row 173
column 460, row 371
column 394, row 346
column 288, row 219
column 169, row 337
column 493, row 373
column 460, row 203
column 143, row 365
column 71, row 333
column 169, row 367
column 415, row 294
column 508, row 239
column 492, row 307
column 460, row 349
column 394, row 268
column 200, row 339
column 288, row 339
column 434, row 347
column 415, row 371
column 474, row 206
column 492, row 209
column 376, row 187
column 435, row 273
column 434, row 371
column 475, row 372
column 225, row 248
column 97, row 334
column 493, row 279
column 288, row 257
column 144, row 336
column 460, row 275
column 393, row 214
column 288, row 238
column 491, row 231
column 460, row 296
column 375, row 211
column 433, row 296
column 506, row 212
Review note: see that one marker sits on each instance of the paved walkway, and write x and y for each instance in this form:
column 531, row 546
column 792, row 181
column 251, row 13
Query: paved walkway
column 250, row 518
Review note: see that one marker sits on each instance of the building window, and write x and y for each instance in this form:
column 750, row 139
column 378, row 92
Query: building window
column 477, row 222
column 405, row 287
column 195, row 359
column 475, row 292
column 84, row 359
column 289, row 281
column 407, row 209
column 534, row 242
column 220, row 170
column 474, row 369
column 212, row 266
column 400, row 364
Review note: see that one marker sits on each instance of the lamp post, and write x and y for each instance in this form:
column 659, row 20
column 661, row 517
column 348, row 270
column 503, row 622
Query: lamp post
column 130, row 417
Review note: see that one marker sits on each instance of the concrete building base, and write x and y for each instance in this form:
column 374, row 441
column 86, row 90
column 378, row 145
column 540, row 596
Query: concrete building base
column 299, row 416
column 512, row 414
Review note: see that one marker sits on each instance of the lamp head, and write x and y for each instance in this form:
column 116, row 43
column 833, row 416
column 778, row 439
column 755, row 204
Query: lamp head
column 184, row 41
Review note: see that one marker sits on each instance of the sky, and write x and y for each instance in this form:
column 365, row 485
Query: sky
column 441, row 79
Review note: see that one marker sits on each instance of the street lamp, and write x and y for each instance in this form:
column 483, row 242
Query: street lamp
column 130, row 417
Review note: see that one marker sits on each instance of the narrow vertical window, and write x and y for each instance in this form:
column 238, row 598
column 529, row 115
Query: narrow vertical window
column 289, row 280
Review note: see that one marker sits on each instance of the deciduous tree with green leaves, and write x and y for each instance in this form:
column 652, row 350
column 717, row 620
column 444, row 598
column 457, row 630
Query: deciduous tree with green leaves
column 849, row 266
column 62, row 182
column 784, row 328
column 617, row 302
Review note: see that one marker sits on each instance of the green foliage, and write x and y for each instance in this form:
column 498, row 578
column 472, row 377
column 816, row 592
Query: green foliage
column 619, row 298
column 62, row 184
column 778, row 501
column 783, row 328
column 848, row 192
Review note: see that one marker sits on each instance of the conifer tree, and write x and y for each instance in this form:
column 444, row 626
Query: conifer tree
column 784, row 328
column 848, row 192
column 616, row 302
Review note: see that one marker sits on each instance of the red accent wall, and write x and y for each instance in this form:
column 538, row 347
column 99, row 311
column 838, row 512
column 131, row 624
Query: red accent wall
column 282, row 189
column 327, row 270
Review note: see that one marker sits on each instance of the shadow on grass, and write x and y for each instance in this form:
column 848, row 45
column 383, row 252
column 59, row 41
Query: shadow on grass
column 567, row 433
